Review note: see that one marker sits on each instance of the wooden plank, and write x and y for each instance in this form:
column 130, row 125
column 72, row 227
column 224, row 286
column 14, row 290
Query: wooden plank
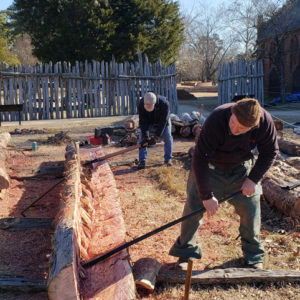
column 23, row 284
column 20, row 84
column 230, row 275
column 45, row 80
column 79, row 92
column 74, row 95
column 11, row 97
column 95, row 89
column 39, row 83
column 61, row 86
column 51, row 92
column 81, row 67
column 14, row 224
column 56, row 91
column 103, row 90
column 34, row 92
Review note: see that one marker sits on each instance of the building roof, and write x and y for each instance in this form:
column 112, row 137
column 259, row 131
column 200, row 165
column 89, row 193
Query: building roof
column 287, row 19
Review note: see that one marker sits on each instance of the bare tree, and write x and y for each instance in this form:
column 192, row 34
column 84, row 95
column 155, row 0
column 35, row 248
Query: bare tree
column 275, row 23
column 23, row 49
column 241, row 18
column 208, row 41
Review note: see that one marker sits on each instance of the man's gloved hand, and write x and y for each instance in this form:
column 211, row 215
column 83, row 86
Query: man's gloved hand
column 145, row 142
column 152, row 141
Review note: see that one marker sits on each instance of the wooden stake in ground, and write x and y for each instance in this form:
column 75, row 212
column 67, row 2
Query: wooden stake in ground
column 188, row 279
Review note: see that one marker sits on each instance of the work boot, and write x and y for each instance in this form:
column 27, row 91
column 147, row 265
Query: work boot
column 141, row 165
column 257, row 266
column 168, row 163
column 182, row 263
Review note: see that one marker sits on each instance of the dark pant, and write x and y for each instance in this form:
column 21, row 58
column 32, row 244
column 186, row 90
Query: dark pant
column 248, row 208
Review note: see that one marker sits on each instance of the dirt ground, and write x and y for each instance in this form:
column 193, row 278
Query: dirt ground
column 149, row 198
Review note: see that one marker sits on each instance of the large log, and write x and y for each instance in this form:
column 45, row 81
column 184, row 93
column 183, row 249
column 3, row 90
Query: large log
column 274, row 183
column 230, row 275
column 289, row 147
column 64, row 272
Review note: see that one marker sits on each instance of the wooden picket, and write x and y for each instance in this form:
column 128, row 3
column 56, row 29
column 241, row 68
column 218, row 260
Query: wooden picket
column 240, row 78
column 87, row 89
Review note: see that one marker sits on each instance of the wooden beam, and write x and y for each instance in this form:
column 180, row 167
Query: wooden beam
column 14, row 224
column 230, row 275
column 22, row 284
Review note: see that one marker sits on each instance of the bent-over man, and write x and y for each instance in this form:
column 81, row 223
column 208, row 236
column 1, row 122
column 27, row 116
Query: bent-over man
column 223, row 164
column 154, row 112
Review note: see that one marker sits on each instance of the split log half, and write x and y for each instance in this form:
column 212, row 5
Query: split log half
column 64, row 270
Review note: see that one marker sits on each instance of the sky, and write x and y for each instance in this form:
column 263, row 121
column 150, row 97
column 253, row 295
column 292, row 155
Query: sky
column 187, row 6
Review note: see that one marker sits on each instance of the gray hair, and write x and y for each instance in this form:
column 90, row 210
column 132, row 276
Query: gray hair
column 150, row 98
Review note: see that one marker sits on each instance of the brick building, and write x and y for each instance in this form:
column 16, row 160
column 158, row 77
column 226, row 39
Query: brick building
column 278, row 43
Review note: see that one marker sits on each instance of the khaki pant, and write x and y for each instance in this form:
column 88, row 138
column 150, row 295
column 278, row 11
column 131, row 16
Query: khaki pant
column 223, row 183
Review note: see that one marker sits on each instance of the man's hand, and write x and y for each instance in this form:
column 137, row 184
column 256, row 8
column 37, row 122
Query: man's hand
column 152, row 141
column 211, row 205
column 144, row 143
column 248, row 187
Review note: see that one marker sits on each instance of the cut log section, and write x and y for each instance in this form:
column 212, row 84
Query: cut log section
column 230, row 275
column 132, row 123
column 275, row 183
column 145, row 271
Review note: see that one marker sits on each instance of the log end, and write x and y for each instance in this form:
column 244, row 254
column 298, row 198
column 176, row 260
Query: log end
column 145, row 271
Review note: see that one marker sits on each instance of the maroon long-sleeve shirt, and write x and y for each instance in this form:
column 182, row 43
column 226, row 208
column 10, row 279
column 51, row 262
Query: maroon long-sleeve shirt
column 217, row 146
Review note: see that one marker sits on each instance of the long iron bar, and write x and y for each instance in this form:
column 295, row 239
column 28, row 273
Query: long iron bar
column 112, row 155
column 155, row 231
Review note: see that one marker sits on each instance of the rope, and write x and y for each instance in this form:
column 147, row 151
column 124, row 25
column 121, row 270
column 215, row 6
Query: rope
column 292, row 125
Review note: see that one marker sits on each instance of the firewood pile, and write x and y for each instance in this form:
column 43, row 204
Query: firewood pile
column 59, row 138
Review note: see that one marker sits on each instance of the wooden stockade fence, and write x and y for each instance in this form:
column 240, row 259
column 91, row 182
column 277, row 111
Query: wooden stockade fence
column 240, row 78
column 84, row 90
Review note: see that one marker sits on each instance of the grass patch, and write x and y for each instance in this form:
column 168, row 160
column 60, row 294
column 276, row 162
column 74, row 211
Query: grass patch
column 173, row 180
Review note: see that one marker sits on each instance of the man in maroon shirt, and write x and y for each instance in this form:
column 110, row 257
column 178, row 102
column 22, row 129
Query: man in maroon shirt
column 223, row 164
